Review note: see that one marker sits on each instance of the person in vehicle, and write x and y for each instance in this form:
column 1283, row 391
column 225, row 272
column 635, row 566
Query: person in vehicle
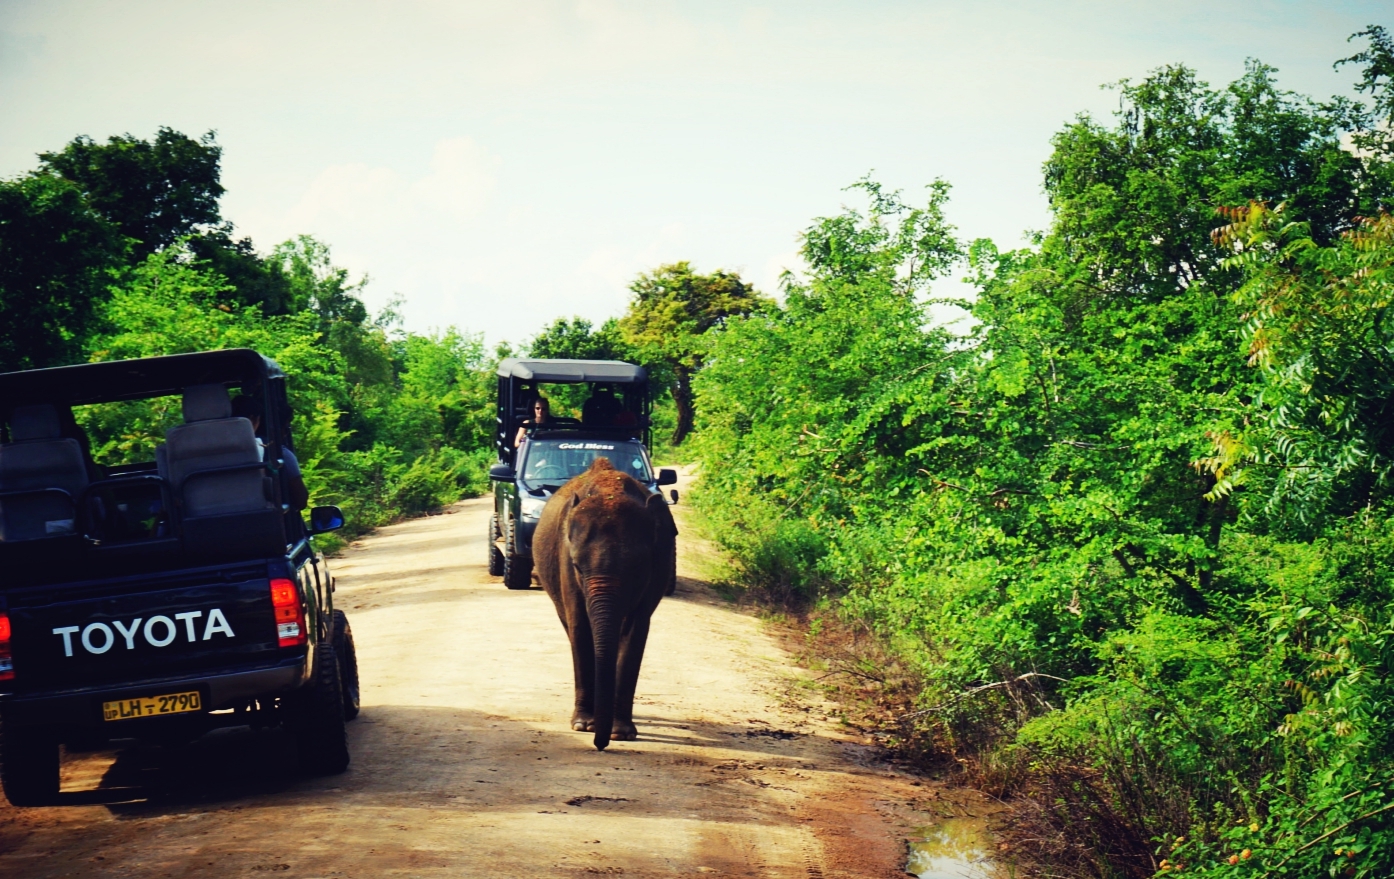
column 541, row 414
column 602, row 408
column 297, row 495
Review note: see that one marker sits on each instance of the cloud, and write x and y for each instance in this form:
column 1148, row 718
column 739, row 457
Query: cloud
column 372, row 200
column 348, row 194
column 461, row 179
column 614, row 268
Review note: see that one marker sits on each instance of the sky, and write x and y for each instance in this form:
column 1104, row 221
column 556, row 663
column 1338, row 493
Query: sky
column 498, row 165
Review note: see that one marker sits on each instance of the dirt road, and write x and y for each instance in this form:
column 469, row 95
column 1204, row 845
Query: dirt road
column 463, row 763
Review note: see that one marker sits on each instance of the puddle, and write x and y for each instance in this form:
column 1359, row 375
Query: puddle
column 956, row 848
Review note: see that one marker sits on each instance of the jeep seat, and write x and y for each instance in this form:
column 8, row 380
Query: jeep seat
column 226, row 499
column 42, row 476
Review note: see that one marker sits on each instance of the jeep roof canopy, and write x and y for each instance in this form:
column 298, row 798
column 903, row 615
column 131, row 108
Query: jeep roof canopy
column 564, row 371
column 87, row 383
column 519, row 382
column 102, row 535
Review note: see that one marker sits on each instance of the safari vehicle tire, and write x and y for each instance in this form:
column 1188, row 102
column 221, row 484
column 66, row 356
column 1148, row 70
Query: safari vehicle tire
column 28, row 767
column 517, row 571
column 495, row 557
column 317, row 718
column 348, row 663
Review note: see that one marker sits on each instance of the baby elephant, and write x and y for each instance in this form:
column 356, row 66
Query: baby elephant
column 604, row 552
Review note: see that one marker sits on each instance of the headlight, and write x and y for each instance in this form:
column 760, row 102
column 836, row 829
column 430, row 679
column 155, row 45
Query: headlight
column 531, row 507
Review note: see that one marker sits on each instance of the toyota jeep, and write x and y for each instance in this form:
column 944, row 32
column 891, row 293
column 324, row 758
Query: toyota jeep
column 173, row 591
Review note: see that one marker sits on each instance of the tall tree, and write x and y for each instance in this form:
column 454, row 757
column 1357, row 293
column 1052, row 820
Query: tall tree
column 154, row 191
column 673, row 307
column 576, row 338
column 55, row 257
column 1378, row 80
column 254, row 279
column 319, row 285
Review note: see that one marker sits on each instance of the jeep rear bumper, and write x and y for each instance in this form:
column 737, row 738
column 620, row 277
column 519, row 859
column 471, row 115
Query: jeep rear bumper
column 83, row 708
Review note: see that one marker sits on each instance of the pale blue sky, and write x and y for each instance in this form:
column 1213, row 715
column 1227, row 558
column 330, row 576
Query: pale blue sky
column 499, row 164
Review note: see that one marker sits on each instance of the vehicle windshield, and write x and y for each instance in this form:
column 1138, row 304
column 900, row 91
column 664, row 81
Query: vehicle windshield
column 551, row 462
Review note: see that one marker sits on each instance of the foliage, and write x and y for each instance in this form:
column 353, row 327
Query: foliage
column 672, row 309
column 252, row 280
column 319, row 285
column 578, row 339
column 1322, row 445
column 1377, row 78
column 1131, row 527
column 56, row 255
column 155, row 192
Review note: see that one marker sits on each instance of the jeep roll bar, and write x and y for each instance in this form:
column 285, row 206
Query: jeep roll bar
column 519, row 380
column 115, row 380
column 87, row 522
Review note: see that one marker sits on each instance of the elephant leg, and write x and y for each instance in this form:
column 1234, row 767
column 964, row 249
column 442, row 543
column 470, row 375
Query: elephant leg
column 632, row 641
column 583, row 671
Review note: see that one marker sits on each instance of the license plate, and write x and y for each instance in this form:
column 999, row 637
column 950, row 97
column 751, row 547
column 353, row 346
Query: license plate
column 152, row 706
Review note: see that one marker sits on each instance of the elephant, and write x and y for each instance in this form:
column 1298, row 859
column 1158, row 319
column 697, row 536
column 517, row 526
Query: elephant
column 604, row 550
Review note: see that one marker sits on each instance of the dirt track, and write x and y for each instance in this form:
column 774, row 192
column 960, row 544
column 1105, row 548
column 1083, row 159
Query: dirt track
column 463, row 764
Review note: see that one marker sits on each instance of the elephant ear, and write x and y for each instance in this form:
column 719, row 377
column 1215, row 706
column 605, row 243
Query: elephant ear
column 664, row 526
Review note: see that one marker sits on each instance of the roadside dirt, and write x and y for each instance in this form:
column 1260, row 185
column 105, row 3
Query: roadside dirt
column 463, row 763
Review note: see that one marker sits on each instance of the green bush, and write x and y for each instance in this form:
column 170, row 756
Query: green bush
column 1131, row 529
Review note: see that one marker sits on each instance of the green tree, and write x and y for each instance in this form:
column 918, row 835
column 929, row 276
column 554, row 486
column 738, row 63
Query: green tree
column 811, row 407
column 1321, row 444
column 1042, row 516
column 156, row 192
column 578, row 339
column 167, row 189
column 1377, row 78
column 171, row 304
column 318, row 284
column 254, row 280
column 321, row 288
column 56, row 260
column 673, row 307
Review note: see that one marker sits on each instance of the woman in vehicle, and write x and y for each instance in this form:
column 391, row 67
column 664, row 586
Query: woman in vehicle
column 541, row 414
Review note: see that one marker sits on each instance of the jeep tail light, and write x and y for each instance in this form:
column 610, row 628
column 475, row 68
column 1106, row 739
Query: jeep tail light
column 290, row 614
column 7, row 662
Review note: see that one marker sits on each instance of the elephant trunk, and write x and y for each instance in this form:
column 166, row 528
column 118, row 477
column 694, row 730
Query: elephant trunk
column 605, row 624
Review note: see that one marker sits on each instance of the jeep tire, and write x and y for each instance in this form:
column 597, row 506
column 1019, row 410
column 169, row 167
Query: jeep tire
column 317, row 718
column 495, row 556
column 517, row 569
column 348, row 664
column 28, row 766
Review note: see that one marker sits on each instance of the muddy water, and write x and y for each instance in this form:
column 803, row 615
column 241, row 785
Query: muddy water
column 955, row 848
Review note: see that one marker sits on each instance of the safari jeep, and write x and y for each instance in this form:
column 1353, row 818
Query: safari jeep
column 614, row 424
column 160, row 596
